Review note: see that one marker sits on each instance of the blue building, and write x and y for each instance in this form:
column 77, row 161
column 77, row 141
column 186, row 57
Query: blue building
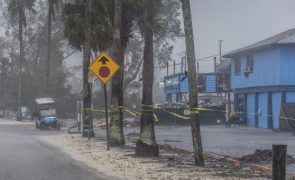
column 177, row 84
column 263, row 78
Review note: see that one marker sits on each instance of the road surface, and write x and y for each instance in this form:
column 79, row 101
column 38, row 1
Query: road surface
column 24, row 157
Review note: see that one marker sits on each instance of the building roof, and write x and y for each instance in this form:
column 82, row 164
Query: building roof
column 44, row 101
column 286, row 37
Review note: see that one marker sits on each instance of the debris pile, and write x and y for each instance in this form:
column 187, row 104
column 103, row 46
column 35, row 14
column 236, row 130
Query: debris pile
column 169, row 148
column 263, row 156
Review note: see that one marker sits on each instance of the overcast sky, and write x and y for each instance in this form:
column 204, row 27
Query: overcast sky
column 237, row 22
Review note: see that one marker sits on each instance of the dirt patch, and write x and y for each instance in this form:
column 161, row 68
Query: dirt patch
column 172, row 163
column 263, row 156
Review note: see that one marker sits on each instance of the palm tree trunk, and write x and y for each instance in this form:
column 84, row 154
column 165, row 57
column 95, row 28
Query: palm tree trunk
column 116, row 124
column 48, row 46
column 21, row 54
column 193, row 96
column 147, row 144
column 87, row 115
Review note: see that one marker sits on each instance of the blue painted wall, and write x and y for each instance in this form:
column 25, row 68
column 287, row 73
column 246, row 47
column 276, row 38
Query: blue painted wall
column 276, row 108
column 290, row 97
column 178, row 83
column 171, row 84
column 266, row 70
column 287, row 65
column 251, row 110
column 262, row 104
column 210, row 83
column 183, row 84
column 272, row 66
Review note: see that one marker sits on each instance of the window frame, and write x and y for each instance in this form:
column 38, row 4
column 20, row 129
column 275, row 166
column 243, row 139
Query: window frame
column 250, row 62
column 237, row 67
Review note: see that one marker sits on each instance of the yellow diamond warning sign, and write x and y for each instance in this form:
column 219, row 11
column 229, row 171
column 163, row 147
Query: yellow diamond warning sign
column 104, row 67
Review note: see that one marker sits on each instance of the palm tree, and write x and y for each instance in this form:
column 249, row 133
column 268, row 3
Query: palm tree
column 17, row 10
column 147, row 144
column 87, row 116
column 51, row 13
column 193, row 96
column 116, row 124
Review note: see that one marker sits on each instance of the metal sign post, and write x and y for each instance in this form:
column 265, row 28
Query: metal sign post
column 104, row 67
column 106, row 114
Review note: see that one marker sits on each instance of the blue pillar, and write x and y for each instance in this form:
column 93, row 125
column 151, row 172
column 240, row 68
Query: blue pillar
column 179, row 97
column 169, row 98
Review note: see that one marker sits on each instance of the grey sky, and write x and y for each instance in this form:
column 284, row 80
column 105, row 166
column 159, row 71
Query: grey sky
column 237, row 22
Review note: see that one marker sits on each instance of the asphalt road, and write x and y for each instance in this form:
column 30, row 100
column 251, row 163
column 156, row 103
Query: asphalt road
column 24, row 157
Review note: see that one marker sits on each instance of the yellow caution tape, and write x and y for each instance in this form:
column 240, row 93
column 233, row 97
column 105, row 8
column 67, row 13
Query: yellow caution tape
column 150, row 108
column 133, row 113
column 95, row 110
column 174, row 114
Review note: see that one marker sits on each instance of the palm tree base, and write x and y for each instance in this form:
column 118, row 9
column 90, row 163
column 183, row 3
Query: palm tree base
column 117, row 143
column 86, row 133
column 143, row 149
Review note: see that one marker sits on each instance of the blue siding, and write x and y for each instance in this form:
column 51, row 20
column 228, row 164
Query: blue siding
column 251, row 110
column 171, row 90
column 266, row 70
column 183, row 84
column 290, row 97
column 287, row 75
column 211, row 83
column 276, row 105
column 262, row 104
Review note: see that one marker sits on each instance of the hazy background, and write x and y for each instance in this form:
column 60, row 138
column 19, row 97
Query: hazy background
column 237, row 22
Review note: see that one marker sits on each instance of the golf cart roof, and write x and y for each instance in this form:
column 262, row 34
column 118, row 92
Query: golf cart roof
column 44, row 101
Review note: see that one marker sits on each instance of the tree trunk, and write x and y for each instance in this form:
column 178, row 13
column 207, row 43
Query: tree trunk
column 193, row 96
column 147, row 145
column 21, row 56
column 87, row 115
column 116, row 124
column 48, row 47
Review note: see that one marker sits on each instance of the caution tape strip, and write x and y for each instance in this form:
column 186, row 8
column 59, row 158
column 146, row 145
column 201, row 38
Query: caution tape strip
column 150, row 108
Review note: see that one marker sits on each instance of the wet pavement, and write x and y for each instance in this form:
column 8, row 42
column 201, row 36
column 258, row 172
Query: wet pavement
column 24, row 157
column 234, row 141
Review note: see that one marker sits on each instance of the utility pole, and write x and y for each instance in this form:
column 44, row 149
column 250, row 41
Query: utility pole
column 193, row 93
column 220, row 43
column 182, row 65
column 167, row 66
column 215, row 65
column 185, row 63
column 2, row 79
column 174, row 67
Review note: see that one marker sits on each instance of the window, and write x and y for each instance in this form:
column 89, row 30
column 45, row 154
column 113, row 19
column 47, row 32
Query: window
column 237, row 65
column 249, row 65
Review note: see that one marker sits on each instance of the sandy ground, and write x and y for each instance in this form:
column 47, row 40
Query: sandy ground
column 123, row 164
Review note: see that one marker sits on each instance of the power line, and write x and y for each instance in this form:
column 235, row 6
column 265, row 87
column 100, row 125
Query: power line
column 207, row 58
